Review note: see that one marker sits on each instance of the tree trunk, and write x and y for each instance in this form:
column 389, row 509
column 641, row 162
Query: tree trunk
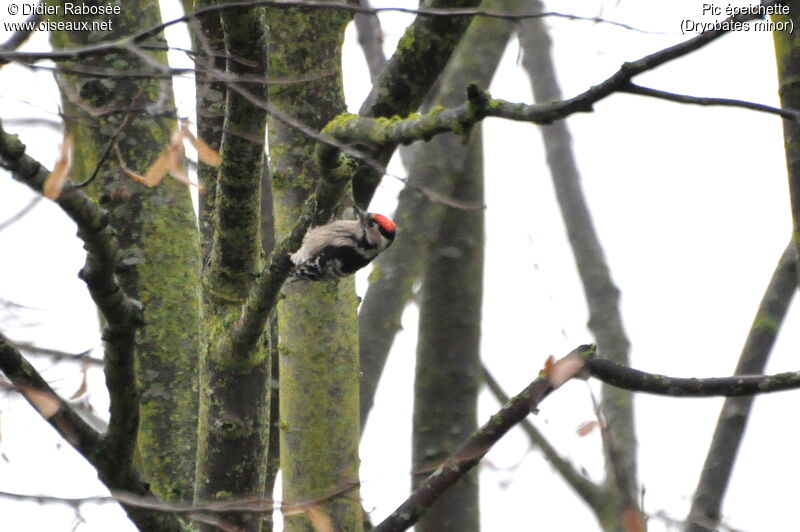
column 317, row 320
column 233, row 428
column 448, row 350
column 787, row 55
column 157, row 236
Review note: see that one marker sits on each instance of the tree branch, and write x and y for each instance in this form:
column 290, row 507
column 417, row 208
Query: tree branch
column 115, row 474
column 51, row 407
column 433, row 166
column 479, row 106
column 21, row 214
column 480, row 442
column 789, row 114
column 370, row 37
column 602, row 295
column 713, row 484
column 122, row 314
column 236, row 245
column 737, row 386
column 428, row 12
column 263, row 298
column 587, row 490
column 18, row 38
column 423, row 52
column 786, row 58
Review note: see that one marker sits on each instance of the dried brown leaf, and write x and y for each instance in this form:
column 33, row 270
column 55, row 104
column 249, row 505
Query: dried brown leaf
column 586, row 428
column 55, row 181
column 319, row 519
column 205, row 153
column 163, row 165
column 549, row 364
column 133, row 175
column 84, row 387
column 169, row 161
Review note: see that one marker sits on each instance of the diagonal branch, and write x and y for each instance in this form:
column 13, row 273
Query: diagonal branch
column 790, row 114
column 712, row 486
column 421, row 55
column 351, row 128
column 370, row 37
column 51, row 407
column 115, row 474
column 262, row 299
column 26, row 29
column 93, row 229
column 481, row 441
column 587, row 490
column 433, row 165
column 21, row 214
column 122, row 314
column 602, row 295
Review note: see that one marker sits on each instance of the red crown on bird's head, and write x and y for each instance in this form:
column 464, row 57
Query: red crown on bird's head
column 385, row 223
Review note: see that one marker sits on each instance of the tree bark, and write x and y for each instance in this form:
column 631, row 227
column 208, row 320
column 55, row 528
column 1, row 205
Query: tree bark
column 602, row 295
column 233, row 429
column 448, row 373
column 432, row 165
column 787, row 55
column 157, row 237
column 317, row 320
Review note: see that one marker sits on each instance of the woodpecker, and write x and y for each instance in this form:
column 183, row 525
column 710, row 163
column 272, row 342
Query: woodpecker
column 340, row 248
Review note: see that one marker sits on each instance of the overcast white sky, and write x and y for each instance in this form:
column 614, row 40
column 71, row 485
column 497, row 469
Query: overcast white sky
column 690, row 203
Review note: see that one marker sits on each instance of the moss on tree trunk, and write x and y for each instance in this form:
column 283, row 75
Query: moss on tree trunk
column 157, row 235
column 787, row 55
column 317, row 321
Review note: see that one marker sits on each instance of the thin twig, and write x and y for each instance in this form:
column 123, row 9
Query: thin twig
column 587, row 490
column 27, row 27
column 106, row 151
column 790, row 114
column 143, row 35
column 21, row 214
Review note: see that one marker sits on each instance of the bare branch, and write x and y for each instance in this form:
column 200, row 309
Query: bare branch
column 480, row 442
column 263, row 298
column 27, row 27
column 737, row 386
column 790, row 114
column 56, row 354
column 407, row 78
column 480, row 106
column 430, row 12
column 53, row 409
column 715, row 476
column 122, row 314
column 370, row 37
column 21, row 214
column 602, row 294
column 433, row 166
column 585, row 488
